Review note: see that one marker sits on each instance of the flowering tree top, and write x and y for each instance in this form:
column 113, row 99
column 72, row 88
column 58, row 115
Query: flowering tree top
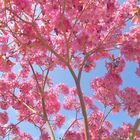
column 37, row 36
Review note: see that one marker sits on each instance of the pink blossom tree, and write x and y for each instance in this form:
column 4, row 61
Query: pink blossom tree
column 37, row 36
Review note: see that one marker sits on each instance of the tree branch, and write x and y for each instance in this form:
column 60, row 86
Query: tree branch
column 77, row 81
column 83, row 107
column 134, row 129
column 45, row 117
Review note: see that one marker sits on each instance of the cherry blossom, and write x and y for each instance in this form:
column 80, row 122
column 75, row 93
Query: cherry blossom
column 131, row 106
column 59, row 120
column 3, row 118
column 63, row 89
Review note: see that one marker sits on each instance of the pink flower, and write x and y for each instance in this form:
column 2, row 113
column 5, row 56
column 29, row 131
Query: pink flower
column 59, row 120
column 73, row 91
column 4, row 105
column 23, row 5
column 108, row 125
column 71, row 135
column 3, row 118
column 2, row 132
column 89, row 64
column 63, row 89
column 71, row 103
column 44, row 136
column 122, row 132
column 106, row 89
column 131, row 44
column 138, row 71
column 131, row 105
column 26, row 136
column 52, row 103
column 3, row 49
column 89, row 103
column 116, row 65
column 25, row 87
column 14, row 129
column 5, row 65
column 62, row 23
column 11, row 76
column 22, row 136
column 95, row 126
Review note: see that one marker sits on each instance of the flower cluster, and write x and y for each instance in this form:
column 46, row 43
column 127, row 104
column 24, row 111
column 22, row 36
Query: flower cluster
column 62, row 88
column 132, row 106
column 106, row 89
column 123, row 132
